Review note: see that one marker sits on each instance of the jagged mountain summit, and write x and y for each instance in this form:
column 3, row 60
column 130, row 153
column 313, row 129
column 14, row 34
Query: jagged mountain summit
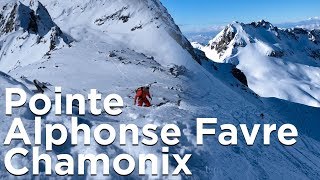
column 282, row 63
column 109, row 54
column 27, row 31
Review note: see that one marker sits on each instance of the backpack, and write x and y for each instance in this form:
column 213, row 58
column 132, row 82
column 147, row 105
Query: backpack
column 139, row 89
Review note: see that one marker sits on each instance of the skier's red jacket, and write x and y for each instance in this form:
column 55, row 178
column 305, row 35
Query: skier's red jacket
column 142, row 95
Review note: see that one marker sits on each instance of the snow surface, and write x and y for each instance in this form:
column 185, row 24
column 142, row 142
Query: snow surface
column 113, row 59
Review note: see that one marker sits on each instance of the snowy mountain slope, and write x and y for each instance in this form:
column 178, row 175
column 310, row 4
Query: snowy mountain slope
column 142, row 24
column 185, row 90
column 184, row 98
column 27, row 31
column 282, row 63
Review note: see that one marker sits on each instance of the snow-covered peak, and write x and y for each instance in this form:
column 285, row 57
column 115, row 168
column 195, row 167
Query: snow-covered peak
column 282, row 63
column 264, row 24
column 33, row 18
column 276, row 42
column 25, row 30
column 140, row 23
column 108, row 12
column 43, row 18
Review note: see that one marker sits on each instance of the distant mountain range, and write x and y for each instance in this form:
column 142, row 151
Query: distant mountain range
column 311, row 23
column 203, row 35
column 282, row 63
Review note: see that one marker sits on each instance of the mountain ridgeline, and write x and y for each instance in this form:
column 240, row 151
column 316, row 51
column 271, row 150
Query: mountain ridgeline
column 304, row 40
column 27, row 31
column 282, row 63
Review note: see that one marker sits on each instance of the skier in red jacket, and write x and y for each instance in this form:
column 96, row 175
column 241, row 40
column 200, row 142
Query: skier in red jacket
column 141, row 95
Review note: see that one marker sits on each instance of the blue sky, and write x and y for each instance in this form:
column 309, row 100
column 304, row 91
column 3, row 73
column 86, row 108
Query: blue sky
column 195, row 14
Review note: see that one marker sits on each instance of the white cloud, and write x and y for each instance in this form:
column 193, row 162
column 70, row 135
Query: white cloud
column 310, row 23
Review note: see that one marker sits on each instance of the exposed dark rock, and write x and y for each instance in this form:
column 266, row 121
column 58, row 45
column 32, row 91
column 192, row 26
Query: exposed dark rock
column 150, row 57
column 315, row 54
column 176, row 70
column 112, row 54
column 9, row 26
column 314, row 36
column 299, row 31
column 276, row 54
column 238, row 74
column 262, row 23
column 124, row 19
column 33, row 26
column 54, row 38
column 222, row 45
column 296, row 32
column 137, row 27
column 115, row 16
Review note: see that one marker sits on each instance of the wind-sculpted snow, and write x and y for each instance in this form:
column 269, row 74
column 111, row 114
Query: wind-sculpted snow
column 282, row 63
column 113, row 59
